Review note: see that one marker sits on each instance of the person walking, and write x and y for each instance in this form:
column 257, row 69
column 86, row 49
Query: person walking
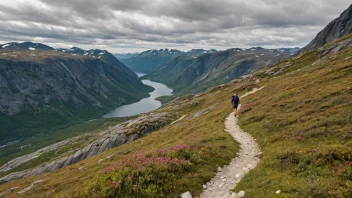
column 235, row 101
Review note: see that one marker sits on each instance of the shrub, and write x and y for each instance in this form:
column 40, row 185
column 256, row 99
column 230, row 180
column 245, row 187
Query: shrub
column 146, row 175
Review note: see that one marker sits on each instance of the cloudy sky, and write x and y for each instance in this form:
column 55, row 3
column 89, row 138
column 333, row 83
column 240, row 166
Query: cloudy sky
column 137, row 25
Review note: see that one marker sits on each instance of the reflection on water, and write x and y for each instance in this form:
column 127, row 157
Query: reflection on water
column 146, row 104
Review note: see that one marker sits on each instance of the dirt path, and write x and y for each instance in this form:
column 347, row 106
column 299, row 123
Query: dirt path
column 247, row 159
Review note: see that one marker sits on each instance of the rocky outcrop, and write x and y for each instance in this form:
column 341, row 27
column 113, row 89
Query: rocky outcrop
column 25, row 158
column 114, row 136
column 334, row 47
column 336, row 29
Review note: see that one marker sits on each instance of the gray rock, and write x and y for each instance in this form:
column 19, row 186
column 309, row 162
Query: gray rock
column 241, row 193
column 337, row 28
column 31, row 186
column 186, row 195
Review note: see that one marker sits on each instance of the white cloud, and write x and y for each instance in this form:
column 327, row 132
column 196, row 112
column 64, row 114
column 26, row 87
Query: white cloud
column 136, row 25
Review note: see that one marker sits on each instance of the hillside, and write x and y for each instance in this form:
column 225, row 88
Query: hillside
column 336, row 29
column 300, row 118
column 148, row 61
column 185, row 75
column 125, row 56
column 44, row 89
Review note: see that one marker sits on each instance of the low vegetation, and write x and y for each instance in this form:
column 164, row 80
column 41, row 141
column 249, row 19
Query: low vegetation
column 165, row 99
column 160, row 174
column 29, row 145
column 215, row 147
column 302, row 121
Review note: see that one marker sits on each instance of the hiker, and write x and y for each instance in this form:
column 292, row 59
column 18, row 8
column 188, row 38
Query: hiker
column 235, row 101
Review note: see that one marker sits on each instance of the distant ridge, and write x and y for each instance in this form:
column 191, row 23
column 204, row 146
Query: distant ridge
column 150, row 60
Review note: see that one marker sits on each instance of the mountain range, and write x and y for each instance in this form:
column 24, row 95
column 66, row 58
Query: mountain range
column 148, row 61
column 297, row 110
column 43, row 88
column 189, row 74
column 294, row 103
column 125, row 56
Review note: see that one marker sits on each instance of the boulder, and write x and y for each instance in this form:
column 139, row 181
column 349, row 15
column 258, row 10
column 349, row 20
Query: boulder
column 241, row 193
column 186, row 195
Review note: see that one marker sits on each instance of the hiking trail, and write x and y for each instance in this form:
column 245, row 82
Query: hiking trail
column 229, row 176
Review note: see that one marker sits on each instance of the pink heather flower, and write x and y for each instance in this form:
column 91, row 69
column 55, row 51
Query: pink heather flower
column 116, row 184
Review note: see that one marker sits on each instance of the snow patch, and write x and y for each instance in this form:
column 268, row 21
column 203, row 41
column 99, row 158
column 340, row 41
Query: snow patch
column 6, row 45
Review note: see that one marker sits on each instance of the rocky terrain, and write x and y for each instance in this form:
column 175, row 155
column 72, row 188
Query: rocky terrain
column 336, row 29
column 114, row 136
column 42, row 89
column 187, row 74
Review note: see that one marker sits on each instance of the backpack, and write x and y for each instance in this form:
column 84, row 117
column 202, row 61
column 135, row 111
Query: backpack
column 234, row 99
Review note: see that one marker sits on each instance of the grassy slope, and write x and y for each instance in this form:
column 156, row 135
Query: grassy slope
column 204, row 130
column 301, row 119
column 303, row 122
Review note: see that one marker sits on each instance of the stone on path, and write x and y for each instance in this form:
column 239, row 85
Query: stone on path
column 237, row 176
column 186, row 195
column 278, row 191
column 241, row 193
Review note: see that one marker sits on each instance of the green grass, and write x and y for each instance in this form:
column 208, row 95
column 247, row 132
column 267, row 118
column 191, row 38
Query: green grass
column 12, row 151
column 303, row 122
column 203, row 131
column 165, row 99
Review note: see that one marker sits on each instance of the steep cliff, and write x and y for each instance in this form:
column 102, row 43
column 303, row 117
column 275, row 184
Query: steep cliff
column 45, row 89
column 336, row 29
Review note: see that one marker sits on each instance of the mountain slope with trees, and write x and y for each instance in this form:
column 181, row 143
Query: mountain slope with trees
column 44, row 89
column 213, row 69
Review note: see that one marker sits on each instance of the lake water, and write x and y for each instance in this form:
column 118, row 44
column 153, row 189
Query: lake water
column 145, row 105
